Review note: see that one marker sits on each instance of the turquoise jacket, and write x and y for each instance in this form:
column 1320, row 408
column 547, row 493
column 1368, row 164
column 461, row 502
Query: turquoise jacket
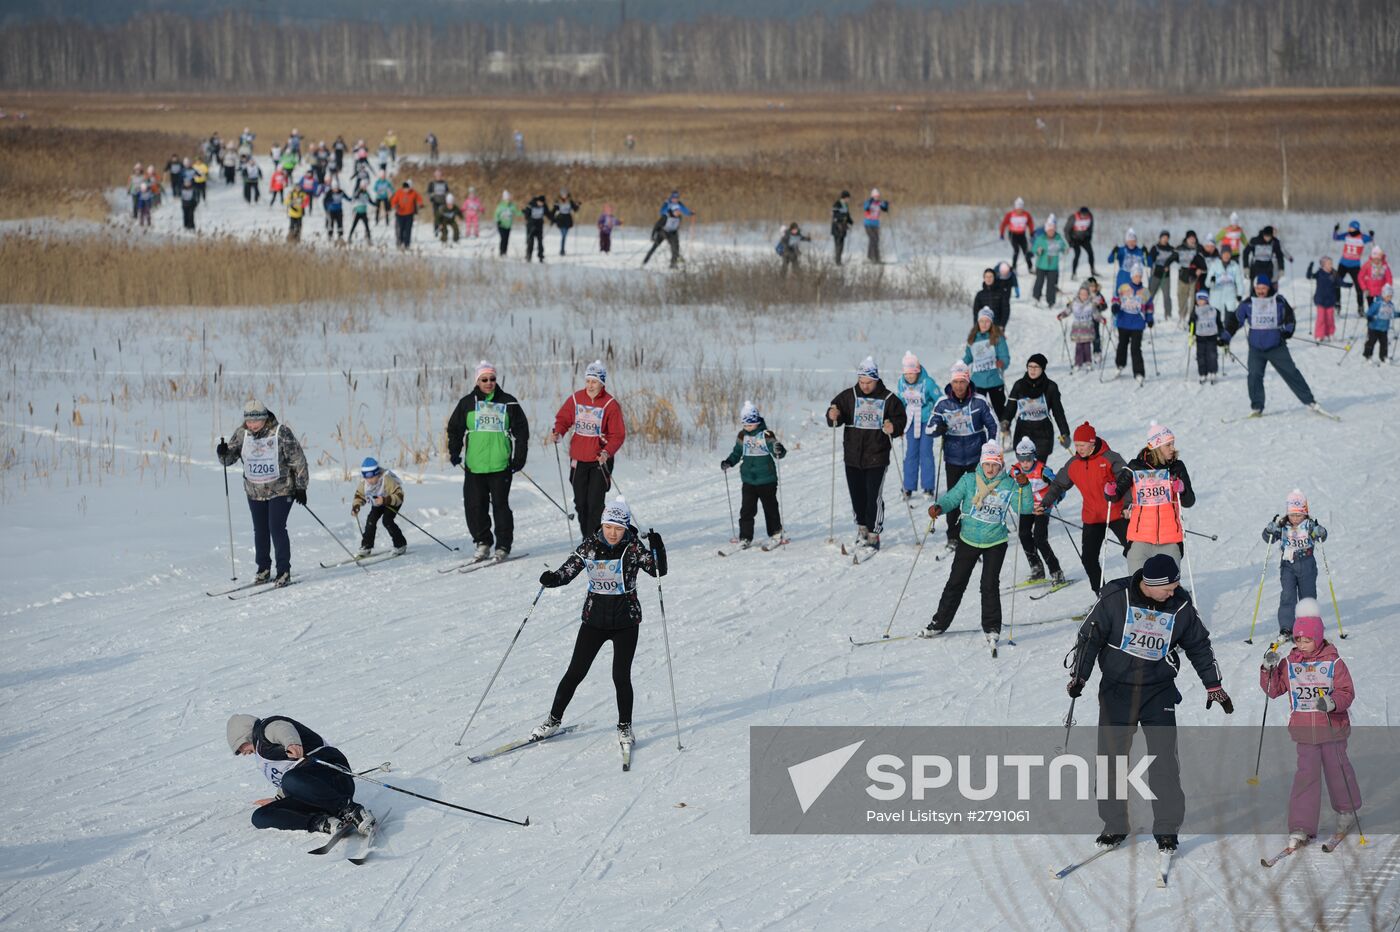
column 983, row 526
column 988, row 377
column 924, row 393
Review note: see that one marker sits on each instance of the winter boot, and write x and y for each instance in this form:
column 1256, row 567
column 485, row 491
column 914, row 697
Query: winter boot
column 934, row 628
column 285, row 579
column 1057, row 578
column 358, row 816
column 400, row 549
column 1139, row 379
column 861, row 533
column 263, row 576
column 624, row 734
column 501, row 553
column 1109, row 839
column 1346, row 821
column 745, row 544
column 1297, row 839
column 546, row 728
column 483, row 551
column 1165, row 842
column 1037, row 573
column 364, row 552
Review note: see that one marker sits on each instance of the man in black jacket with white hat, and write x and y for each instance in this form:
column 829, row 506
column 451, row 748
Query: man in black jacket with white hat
column 310, row 796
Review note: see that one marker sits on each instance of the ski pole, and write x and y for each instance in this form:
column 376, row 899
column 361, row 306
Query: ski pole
column 831, row 526
column 1333, row 590
column 1259, row 597
column 1080, row 527
column 1186, row 371
column 1316, row 343
column 666, row 640
column 1064, row 340
column 228, row 510
column 548, row 497
column 1065, row 527
column 1152, row 342
column 398, row 789
column 559, row 464
column 729, row 499
column 334, row 538
column 1254, row 780
column 1069, row 723
column 1345, row 354
column 400, row 514
column 897, row 602
column 777, row 474
column 899, row 465
column 1346, row 779
column 1231, row 353
column 384, row 767
column 1015, row 567
column 1186, row 554
column 492, row 681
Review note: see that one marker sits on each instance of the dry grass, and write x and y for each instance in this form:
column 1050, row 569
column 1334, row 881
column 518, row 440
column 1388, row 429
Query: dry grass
column 747, row 158
column 208, row 272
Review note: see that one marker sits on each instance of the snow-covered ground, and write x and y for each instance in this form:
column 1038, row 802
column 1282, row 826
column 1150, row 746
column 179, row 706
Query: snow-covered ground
column 118, row 672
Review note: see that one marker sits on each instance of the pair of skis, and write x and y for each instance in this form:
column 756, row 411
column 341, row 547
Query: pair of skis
column 1256, row 415
column 378, row 556
column 921, row 635
column 357, row 854
column 626, row 748
column 1328, row 847
column 482, row 562
column 1164, row 863
column 767, row 546
column 250, row 589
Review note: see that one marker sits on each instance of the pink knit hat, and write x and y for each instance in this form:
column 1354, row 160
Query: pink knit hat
column 1159, row 436
column 1307, row 620
column 960, row 370
column 911, row 363
column 1297, row 503
column 991, row 453
column 484, row 368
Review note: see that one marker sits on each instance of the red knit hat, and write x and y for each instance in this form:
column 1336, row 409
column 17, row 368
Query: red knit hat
column 1084, row 433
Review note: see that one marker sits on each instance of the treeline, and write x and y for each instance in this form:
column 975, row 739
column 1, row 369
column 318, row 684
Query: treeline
column 1174, row 45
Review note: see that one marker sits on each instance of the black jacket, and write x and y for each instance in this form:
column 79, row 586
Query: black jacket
column 1263, row 257
column 602, row 610
column 841, row 221
column 457, row 438
column 996, row 298
column 564, row 218
column 537, row 211
column 1101, row 637
column 1160, row 258
column 1027, row 387
column 269, row 750
column 867, row 448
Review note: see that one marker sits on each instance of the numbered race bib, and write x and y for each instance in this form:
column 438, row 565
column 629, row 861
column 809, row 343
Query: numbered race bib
column 755, row 445
column 1352, row 249
column 491, row 417
column 984, row 356
column 588, row 421
column 1151, row 487
column 1032, row 409
column 1206, row 324
column 605, row 577
column 1308, row 682
column 374, row 488
column 275, row 770
column 1297, row 541
column 260, row 463
column 992, row 510
column 1263, row 314
column 1130, row 305
column 1147, row 633
column 959, row 422
column 869, row 413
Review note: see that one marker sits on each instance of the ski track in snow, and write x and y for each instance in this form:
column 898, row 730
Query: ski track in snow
column 126, row 809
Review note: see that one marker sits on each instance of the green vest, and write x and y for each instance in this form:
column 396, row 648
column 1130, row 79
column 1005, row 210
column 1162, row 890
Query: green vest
column 488, row 436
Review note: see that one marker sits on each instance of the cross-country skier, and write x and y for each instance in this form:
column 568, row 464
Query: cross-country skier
column 1037, row 400
column 1081, row 236
column 506, row 213
column 1159, row 259
column 1132, row 315
column 537, row 212
column 1160, row 487
column 1091, row 470
column 965, row 421
column 1326, row 299
column 488, row 430
column 841, row 223
column 1231, row 236
column 274, row 479
column 873, row 207
column 1189, row 268
column 667, row 229
column 872, row 415
column 563, row 216
column 1374, row 276
column 611, row 555
column 1271, row 323
column 1264, row 256
column 1205, row 324
column 1033, row 525
column 988, row 354
column 1295, row 531
column 310, row 796
column 1134, row 632
column 1224, row 278
column 608, row 221
column 1354, row 244
column 920, row 393
column 599, row 432
column 1085, row 319
column 383, row 492
column 1378, row 318
column 995, row 295
column 1128, row 255
column 1019, row 223
column 756, row 452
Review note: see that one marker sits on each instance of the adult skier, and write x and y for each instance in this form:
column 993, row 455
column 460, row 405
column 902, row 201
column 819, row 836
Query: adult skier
column 599, row 431
column 1271, row 322
column 1049, row 247
column 1264, row 256
column 1093, row 468
column 1354, row 244
column 873, row 207
column 274, row 478
column 488, row 430
column 1160, row 487
column 1190, row 268
column 311, row 797
column 1159, row 259
column 565, row 207
column 537, row 212
column 1018, row 222
column 966, row 422
column 1224, row 279
column 995, row 295
column 1037, row 400
column 1081, row 236
column 920, row 393
column 872, row 415
column 1129, row 256
column 841, row 223
column 406, row 203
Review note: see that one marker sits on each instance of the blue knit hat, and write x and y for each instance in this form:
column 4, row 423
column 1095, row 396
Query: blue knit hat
column 867, row 368
column 748, row 414
column 1263, row 280
column 370, row 467
column 596, row 370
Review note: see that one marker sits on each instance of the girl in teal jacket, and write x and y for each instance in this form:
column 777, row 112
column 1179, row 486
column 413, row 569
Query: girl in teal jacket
column 988, row 354
column 757, row 452
column 919, row 393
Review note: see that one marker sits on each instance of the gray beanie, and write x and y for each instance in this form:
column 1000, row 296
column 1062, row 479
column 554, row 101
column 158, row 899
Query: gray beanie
column 253, row 409
column 240, row 731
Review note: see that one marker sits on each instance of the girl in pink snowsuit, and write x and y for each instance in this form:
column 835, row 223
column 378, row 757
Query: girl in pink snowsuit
column 1320, row 691
column 471, row 214
column 1374, row 276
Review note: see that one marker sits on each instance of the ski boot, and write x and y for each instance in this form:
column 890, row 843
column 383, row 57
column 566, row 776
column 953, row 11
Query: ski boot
column 1297, row 840
column 745, row 544
column 872, row 541
column 283, row 580
column 263, row 576
column 546, row 728
column 500, row 554
column 1057, row 578
column 1165, row 842
column 1037, row 573
column 934, row 628
column 1139, row 379
column 483, row 551
column 907, row 495
column 359, row 817
column 624, row 734
column 1109, row 839
column 323, row 823
column 364, row 552
column 400, row 549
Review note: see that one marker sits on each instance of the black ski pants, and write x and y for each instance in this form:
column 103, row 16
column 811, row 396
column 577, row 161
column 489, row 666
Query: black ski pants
column 308, row 790
column 1092, row 541
column 1123, row 707
column 867, row 503
column 590, row 640
column 1034, row 531
column 749, row 497
column 487, row 499
column 964, row 560
column 377, row 514
column 591, row 482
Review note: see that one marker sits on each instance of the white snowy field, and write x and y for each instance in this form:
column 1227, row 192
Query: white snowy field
column 118, row 672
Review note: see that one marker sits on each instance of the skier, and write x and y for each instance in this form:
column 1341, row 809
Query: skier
column 432, row 141
column 1133, row 632
column 563, row 216
column 756, row 452
column 1018, row 222
column 607, row 222
column 1231, row 236
column 612, row 555
column 1007, row 281
column 1225, row 280
column 488, row 430
column 667, row 230
column 471, row 214
column 1379, row 315
column 1295, row 531
column 1101, row 305
column 1129, row 256
column 673, row 200
column 1271, row 323
column 1037, row 399
column 335, row 211
column 987, row 353
column 873, row 207
column 1190, row 266
column 1374, row 276
column 383, row 194
column 1320, row 691
column 1033, row 525
column 1091, row 469
column 790, row 247
column 966, row 423
column 1084, row 324
column 189, row 201
column 1264, row 255
column 994, row 296
column 537, row 211
column 447, row 217
column 1205, row 324
column 874, row 415
column 274, row 478
column 1326, row 298
column 599, row 432
column 1160, row 487
column 1081, row 236
column 1354, row 244
column 383, row 492
column 310, row 797
column 1132, row 314
column 919, row 393
column 1159, row 259
column 252, row 174
column 506, row 212
column 438, row 189
column 984, row 496
column 361, row 205
column 406, row 203
column 841, row 223
column 1049, row 247
column 296, row 210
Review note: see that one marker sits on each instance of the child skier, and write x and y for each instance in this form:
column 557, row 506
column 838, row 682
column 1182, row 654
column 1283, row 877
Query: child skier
column 1320, row 691
column 1378, row 316
column 471, row 214
column 757, row 451
column 1205, row 326
column 790, row 246
column 607, row 222
column 1374, row 276
column 384, row 493
column 612, row 557
column 1326, row 296
column 1033, row 527
column 1296, row 532
column 1083, row 328
column 920, row 393
column 1101, row 304
column 447, row 218
column 987, row 353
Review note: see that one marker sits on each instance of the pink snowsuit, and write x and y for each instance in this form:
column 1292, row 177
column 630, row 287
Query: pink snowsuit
column 1321, row 737
column 1374, row 276
column 471, row 216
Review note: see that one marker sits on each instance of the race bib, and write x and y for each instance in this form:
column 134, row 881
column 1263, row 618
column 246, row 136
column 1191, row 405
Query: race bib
column 605, row 577
column 260, row 463
column 869, row 413
column 913, row 395
column 992, row 509
column 1184, row 256
column 588, row 421
column 1130, row 305
column 275, row 770
column 1263, row 314
column 1206, row 324
column 491, row 417
column 1032, row 409
column 1297, row 541
column 1081, row 223
column 1147, row 633
column 984, row 356
column 374, row 488
column 755, row 445
column 1308, row 682
column 1018, row 223
column 1151, row 487
column 959, row 422
column 1352, row 249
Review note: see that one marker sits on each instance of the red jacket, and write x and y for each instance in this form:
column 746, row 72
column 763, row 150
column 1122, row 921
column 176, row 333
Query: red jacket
column 406, row 201
column 1022, row 222
column 1314, row 727
column 1374, row 277
column 1089, row 476
column 597, row 424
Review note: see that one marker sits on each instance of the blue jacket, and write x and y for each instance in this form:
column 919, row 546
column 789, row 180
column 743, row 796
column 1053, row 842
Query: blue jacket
column 924, row 393
column 873, row 219
column 685, row 211
column 1263, row 337
column 988, row 378
column 1133, row 316
column 1380, row 314
column 1127, row 259
column 1327, row 293
column 964, row 426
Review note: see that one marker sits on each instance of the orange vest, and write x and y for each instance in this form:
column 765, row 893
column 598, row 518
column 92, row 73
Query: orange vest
column 1156, row 511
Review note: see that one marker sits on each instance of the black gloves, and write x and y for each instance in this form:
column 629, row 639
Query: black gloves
column 1075, row 688
column 549, row 579
column 299, row 496
column 457, row 460
column 1064, row 441
column 724, row 464
column 1223, row 341
column 1221, row 698
column 221, row 449
column 658, row 549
